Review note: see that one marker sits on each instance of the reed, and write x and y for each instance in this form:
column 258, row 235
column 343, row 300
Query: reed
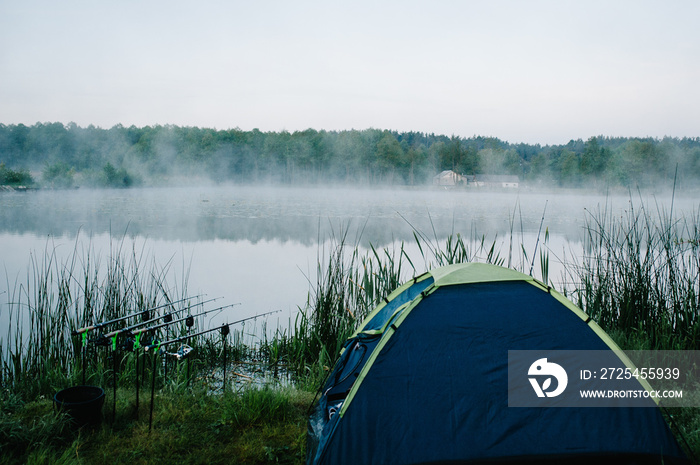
column 640, row 275
column 39, row 353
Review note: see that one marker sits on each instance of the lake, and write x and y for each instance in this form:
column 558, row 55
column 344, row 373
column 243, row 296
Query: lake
column 259, row 246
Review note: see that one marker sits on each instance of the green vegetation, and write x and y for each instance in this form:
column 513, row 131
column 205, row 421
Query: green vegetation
column 69, row 155
column 58, row 175
column 112, row 177
column 60, row 297
column 253, row 426
column 13, row 178
column 639, row 279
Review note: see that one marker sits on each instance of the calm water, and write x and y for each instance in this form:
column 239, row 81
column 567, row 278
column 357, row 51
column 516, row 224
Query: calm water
column 259, row 246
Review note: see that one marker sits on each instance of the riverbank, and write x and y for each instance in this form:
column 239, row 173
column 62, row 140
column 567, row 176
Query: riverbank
column 189, row 427
column 18, row 188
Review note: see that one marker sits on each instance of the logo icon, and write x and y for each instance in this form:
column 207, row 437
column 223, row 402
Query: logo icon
column 542, row 369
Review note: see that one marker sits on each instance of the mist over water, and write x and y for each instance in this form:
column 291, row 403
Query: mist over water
column 302, row 215
column 260, row 245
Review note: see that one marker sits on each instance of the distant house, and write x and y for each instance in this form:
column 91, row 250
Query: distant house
column 493, row 181
column 448, row 178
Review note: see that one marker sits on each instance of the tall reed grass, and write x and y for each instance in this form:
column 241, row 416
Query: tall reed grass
column 60, row 296
column 640, row 275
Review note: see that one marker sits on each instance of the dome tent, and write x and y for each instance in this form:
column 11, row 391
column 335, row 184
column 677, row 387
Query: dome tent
column 425, row 380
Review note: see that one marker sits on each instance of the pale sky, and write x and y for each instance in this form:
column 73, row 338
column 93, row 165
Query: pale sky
column 524, row 71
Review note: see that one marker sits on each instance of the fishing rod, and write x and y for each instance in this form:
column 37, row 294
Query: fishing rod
column 103, row 341
column 167, row 319
column 157, row 345
column 122, row 318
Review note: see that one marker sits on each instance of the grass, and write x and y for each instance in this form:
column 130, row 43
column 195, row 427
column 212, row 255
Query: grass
column 190, row 427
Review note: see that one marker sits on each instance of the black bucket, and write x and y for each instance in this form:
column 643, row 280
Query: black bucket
column 82, row 403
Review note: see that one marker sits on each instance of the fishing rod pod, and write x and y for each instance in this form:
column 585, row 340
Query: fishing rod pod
column 129, row 343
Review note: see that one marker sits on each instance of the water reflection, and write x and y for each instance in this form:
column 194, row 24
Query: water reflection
column 295, row 214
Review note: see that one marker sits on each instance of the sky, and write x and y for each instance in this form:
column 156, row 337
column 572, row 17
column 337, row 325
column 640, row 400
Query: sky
column 533, row 71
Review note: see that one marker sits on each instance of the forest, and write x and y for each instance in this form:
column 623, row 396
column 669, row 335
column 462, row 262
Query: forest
column 57, row 155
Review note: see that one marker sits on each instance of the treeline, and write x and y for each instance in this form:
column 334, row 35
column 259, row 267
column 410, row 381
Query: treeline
column 68, row 155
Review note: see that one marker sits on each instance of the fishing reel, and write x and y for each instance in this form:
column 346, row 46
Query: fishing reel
column 127, row 344
column 182, row 352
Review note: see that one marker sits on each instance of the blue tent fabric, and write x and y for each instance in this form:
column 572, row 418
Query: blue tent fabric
column 436, row 390
column 386, row 312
